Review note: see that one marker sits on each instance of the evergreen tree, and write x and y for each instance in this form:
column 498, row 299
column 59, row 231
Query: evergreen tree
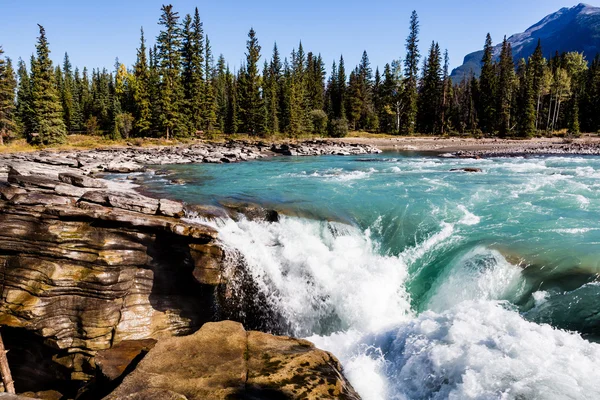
column 49, row 125
column 430, row 95
column 342, row 81
column 77, row 115
column 487, row 89
column 8, row 85
column 232, row 118
column 24, row 112
column 574, row 117
column 446, row 93
column 209, row 105
column 273, row 91
column 505, row 88
column 221, row 93
column 66, row 91
column 537, row 65
column 169, row 56
column 194, row 67
column 525, row 100
column 141, row 91
column 411, row 70
column 251, row 105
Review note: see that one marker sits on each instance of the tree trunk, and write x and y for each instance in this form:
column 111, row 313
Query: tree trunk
column 549, row 112
column 2, row 138
column 537, row 111
column 167, row 133
column 557, row 114
column 9, row 384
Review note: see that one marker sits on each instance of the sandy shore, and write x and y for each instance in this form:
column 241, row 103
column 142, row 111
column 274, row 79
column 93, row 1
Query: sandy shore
column 481, row 146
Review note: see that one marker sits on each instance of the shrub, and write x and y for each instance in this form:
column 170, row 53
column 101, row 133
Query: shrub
column 339, row 128
column 319, row 122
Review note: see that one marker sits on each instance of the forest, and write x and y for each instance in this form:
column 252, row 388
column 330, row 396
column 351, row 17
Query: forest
column 177, row 89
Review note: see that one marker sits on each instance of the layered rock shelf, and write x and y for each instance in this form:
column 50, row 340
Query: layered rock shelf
column 95, row 276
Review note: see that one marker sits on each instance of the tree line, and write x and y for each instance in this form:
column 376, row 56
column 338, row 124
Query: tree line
column 177, row 89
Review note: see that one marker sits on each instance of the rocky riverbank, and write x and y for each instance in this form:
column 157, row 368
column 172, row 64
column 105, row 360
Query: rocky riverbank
column 136, row 159
column 94, row 274
column 563, row 148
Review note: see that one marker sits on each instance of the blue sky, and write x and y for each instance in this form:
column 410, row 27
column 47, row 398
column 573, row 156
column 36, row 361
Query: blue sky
column 95, row 32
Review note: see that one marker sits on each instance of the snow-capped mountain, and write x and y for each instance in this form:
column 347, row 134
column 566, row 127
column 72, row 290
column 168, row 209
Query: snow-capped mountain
column 569, row 29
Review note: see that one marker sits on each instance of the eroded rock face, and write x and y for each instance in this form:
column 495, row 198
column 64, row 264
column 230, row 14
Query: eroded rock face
column 224, row 361
column 85, row 273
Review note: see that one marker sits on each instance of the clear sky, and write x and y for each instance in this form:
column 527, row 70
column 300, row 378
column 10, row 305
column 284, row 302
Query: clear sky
column 95, row 32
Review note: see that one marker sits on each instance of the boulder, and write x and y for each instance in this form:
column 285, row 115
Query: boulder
column 466, row 170
column 224, row 361
column 170, row 208
column 81, row 181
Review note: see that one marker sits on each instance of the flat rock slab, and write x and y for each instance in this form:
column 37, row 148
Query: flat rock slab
column 223, row 361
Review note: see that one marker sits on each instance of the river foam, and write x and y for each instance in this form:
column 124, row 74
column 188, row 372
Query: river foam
column 331, row 284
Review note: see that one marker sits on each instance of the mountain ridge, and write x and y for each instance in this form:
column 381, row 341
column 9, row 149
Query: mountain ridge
column 568, row 29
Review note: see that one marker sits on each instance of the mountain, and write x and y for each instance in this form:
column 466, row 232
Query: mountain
column 569, row 29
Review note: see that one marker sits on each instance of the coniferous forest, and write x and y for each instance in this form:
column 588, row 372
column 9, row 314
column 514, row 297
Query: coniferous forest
column 177, row 88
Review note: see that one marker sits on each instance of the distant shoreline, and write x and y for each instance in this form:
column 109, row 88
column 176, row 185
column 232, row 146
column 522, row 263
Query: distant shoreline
column 470, row 147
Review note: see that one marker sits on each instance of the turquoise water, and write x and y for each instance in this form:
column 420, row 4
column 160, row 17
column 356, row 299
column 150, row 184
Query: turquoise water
column 426, row 283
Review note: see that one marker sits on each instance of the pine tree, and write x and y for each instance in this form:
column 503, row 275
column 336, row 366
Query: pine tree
column 273, row 91
column 525, row 100
column 232, row 118
column 429, row 101
column 446, row 93
column 221, row 93
column 505, row 88
column 48, row 114
column 24, row 113
column 340, row 103
column 169, row 56
column 141, row 91
column 251, row 105
column 8, row 85
column 194, row 71
column 574, row 117
column 66, row 92
column 209, row 105
column 411, row 70
column 537, row 64
column 487, row 89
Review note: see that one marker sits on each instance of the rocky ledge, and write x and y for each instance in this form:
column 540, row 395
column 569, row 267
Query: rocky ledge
column 93, row 274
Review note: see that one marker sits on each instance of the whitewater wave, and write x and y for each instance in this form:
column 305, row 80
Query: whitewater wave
column 331, row 284
column 476, row 350
column 334, row 174
column 322, row 276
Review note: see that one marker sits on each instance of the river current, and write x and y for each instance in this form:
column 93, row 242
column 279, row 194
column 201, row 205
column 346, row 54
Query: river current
column 426, row 283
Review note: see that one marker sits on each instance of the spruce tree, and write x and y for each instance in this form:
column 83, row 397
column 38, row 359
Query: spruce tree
column 505, row 88
column 194, row 71
column 221, row 93
column 273, row 91
column 8, row 85
column 49, row 127
column 411, row 70
column 141, row 91
column 429, row 101
column 169, row 56
column 340, row 104
column 251, row 105
column 24, row 111
column 232, row 118
column 209, row 104
column 536, row 66
column 66, row 90
column 487, row 89
column 525, row 100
